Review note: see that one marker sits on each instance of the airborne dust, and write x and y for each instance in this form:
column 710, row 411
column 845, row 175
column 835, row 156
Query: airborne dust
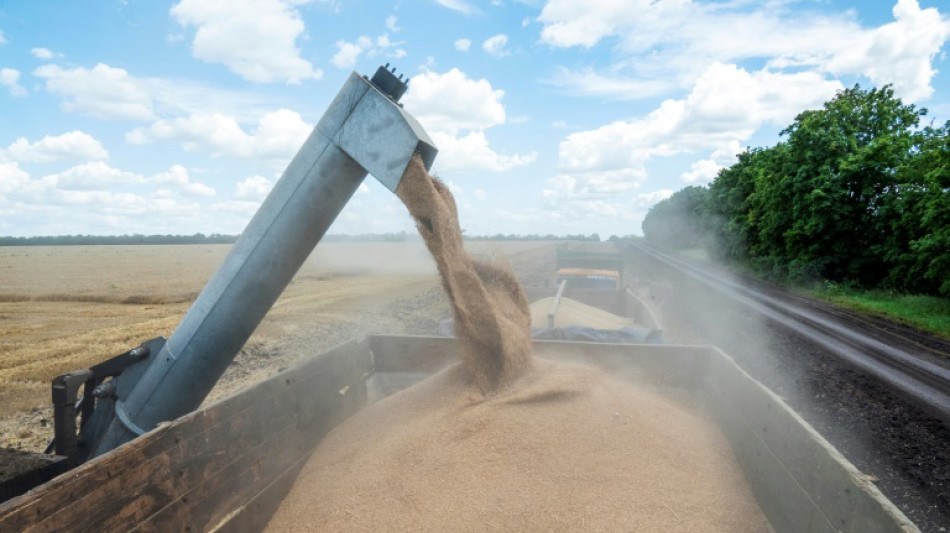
column 506, row 441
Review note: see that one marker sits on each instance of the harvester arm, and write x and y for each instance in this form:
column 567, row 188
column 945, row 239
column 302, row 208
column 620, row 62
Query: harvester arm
column 363, row 131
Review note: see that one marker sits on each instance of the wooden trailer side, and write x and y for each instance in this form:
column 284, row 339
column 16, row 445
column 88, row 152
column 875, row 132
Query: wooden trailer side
column 223, row 468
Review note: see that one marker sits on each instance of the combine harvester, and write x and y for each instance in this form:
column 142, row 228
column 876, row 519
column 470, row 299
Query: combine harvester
column 144, row 459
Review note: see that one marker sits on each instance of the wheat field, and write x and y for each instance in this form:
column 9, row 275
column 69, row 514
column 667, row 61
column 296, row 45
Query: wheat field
column 63, row 308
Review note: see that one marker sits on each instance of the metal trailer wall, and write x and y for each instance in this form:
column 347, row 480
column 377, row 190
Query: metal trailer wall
column 227, row 466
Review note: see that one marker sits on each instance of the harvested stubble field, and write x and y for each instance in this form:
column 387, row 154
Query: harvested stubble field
column 66, row 308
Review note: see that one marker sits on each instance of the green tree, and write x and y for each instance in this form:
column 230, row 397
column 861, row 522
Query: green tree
column 919, row 234
column 841, row 164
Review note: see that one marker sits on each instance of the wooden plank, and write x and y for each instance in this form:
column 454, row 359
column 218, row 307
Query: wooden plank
column 147, row 487
column 317, row 405
column 136, row 480
column 257, row 512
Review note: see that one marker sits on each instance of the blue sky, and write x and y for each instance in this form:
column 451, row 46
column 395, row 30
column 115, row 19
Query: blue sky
column 551, row 116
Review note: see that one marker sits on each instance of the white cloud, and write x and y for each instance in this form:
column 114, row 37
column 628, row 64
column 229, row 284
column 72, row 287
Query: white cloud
column 277, row 137
column 480, row 194
column 255, row 39
column 899, row 53
column 94, row 198
column 102, row 92
column 392, row 23
column 456, row 110
column 44, row 53
column 9, row 78
column 452, row 102
column 495, row 45
column 677, row 39
column 177, row 176
column 471, row 151
column 254, row 188
column 2, row 39
column 12, row 178
column 95, row 176
column 587, row 82
column 462, row 45
column 704, row 170
column 727, row 106
column 570, row 23
column 458, row 5
column 348, row 53
column 653, row 197
column 112, row 93
column 74, row 145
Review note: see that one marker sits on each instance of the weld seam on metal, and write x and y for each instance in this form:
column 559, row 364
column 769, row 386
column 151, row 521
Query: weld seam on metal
column 125, row 420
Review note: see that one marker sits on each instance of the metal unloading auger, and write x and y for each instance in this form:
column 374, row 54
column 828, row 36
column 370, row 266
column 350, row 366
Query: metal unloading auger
column 363, row 131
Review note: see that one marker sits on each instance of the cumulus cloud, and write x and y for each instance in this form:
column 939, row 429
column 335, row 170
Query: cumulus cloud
column 452, row 102
column 96, row 183
column 255, row 39
column 653, row 197
column 704, row 170
column 900, row 53
column 495, row 45
column 96, row 198
column 471, row 151
column 12, row 177
column 462, row 45
column 178, row 177
column 74, row 145
column 254, row 188
column 94, row 176
column 588, row 82
column 106, row 92
column 44, row 53
column 727, row 106
column 101, row 92
column 392, row 23
column 277, row 136
column 678, row 39
column 348, row 53
column 9, row 78
column 456, row 110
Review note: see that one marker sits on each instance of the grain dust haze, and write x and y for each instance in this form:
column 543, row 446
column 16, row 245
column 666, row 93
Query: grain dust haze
column 506, row 441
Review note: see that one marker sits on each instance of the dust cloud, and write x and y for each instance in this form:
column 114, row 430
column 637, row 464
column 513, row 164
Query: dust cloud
column 505, row 441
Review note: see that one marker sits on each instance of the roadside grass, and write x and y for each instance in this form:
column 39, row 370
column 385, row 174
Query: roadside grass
column 927, row 313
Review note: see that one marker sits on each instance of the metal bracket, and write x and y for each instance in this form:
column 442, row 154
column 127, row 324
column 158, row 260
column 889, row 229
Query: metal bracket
column 68, row 404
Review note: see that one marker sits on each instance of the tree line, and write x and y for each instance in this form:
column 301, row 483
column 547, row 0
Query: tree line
column 216, row 238
column 857, row 192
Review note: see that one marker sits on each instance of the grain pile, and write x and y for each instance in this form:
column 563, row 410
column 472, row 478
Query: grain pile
column 573, row 313
column 502, row 442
